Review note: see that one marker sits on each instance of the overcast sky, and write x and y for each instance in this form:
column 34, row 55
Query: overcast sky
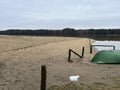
column 59, row 14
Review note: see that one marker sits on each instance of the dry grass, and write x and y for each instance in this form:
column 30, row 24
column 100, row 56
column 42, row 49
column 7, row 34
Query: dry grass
column 81, row 86
column 21, row 58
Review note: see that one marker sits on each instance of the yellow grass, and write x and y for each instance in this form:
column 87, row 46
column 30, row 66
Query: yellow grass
column 21, row 58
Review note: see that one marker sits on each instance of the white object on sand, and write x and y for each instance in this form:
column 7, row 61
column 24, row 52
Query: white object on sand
column 74, row 78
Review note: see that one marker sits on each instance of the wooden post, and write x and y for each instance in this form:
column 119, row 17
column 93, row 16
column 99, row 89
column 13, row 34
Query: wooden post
column 113, row 47
column 83, row 52
column 69, row 56
column 89, row 42
column 43, row 77
column 90, row 48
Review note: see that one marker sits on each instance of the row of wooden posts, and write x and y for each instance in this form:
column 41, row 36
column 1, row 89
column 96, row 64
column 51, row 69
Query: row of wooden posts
column 43, row 67
column 44, row 71
column 81, row 56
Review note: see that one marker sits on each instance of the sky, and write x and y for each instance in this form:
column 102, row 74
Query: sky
column 59, row 14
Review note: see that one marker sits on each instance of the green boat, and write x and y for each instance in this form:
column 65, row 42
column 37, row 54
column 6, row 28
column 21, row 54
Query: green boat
column 107, row 56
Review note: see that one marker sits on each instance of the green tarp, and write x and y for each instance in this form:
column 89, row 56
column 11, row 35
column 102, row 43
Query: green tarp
column 107, row 56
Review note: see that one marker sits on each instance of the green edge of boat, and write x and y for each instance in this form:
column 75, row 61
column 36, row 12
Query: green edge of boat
column 107, row 56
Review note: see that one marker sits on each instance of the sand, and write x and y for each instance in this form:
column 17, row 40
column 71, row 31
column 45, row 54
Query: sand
column 21, row 58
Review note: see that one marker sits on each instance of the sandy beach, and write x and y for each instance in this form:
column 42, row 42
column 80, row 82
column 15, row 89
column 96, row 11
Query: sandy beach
column 21, row 58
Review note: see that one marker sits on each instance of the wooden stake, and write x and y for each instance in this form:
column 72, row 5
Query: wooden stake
column 43, row 77
column 69, row 55
column 83, row 52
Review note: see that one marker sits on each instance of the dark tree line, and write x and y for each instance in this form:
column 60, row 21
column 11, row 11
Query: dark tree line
column 65, row 32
